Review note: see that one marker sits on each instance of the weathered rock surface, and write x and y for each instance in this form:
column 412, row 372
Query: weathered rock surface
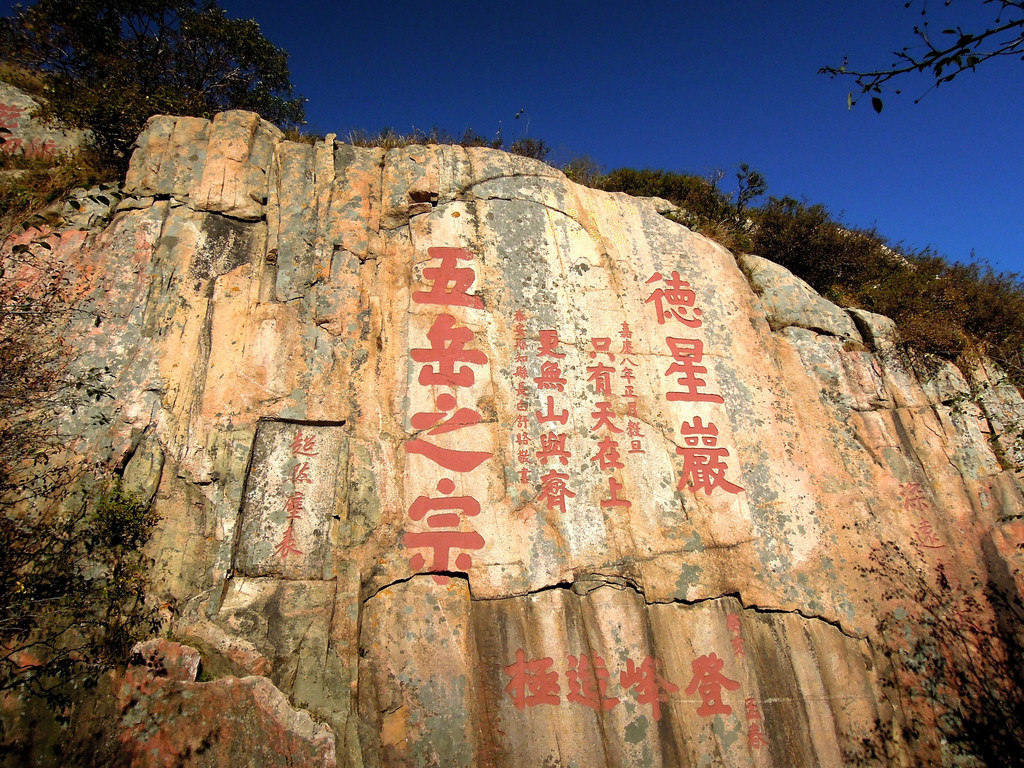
column 25, row 135
column 479, row 467
column 155, row 715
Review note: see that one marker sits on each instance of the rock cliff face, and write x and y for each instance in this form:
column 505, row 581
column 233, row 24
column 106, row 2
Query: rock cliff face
column 483, row 468
column 22, row 134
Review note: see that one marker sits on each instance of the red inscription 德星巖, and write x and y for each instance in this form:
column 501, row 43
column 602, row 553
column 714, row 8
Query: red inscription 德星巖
column 703, row 465
column 676, row 300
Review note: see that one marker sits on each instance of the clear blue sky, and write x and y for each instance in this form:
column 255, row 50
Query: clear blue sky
column 688, row 86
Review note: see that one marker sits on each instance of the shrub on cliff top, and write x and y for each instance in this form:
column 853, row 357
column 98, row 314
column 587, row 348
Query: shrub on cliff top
column 108, row 65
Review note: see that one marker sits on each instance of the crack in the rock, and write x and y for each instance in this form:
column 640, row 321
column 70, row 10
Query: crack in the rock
column 617, row 581
column 466, row 189
column 410, row 577
column 535, row 202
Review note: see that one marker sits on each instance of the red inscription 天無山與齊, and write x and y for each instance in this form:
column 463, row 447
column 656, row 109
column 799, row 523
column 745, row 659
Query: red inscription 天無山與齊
column 554, row 490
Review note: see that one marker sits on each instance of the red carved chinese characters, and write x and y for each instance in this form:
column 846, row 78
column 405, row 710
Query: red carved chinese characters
column 445, row 363
column 303, row 446
column 755, row 736
column 675, row 301
column 588, row 682
column 732, row 621
column 447, row 349
column 287, row 545
column 554, row 490
column 651, row 688
column 608, row 457
column 708, row 682
column 703, row 465
column 915, row 502
column 522, row 444
column 535, row 682
column 550, row 376
column 449, row 282
column 628, row 374
column 532, row 684
column 552, row 446
column 687, row 353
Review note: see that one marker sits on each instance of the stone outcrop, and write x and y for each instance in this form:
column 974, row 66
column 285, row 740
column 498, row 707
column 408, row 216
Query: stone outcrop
column 23, row 134
column 156, row 714
column 480, row 467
